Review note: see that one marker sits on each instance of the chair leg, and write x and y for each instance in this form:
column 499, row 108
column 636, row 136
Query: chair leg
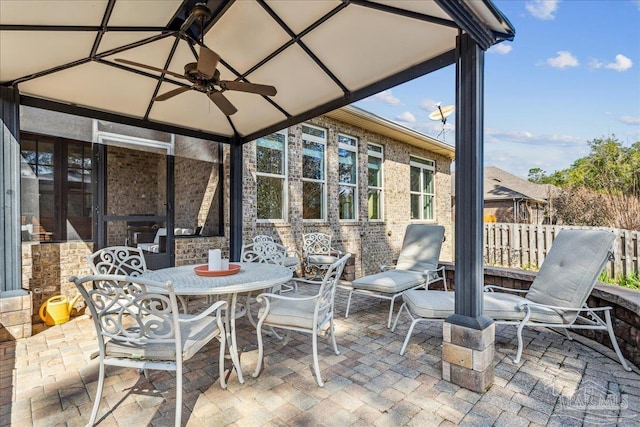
column 395, row 323
column 316, row 365
column 346, row 314
column 516, row 360
column 333, row 336
column 178, row 393
column 566, row 333
column 393, row 300
column 614, row 341
column 409, row 332
column 96, row 404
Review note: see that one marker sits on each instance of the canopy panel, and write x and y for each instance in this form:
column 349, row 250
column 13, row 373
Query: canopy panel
column 319, row 56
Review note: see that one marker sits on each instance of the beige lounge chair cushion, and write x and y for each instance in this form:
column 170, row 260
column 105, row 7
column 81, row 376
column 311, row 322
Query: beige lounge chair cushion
column 194, row 336
column 570, row 270
column 497, row 305
column 298, row 314
column 421, row 247
column 390, row 282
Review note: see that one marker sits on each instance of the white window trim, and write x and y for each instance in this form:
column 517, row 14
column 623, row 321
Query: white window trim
column 285, row 183
column 353, row 149
column 379, row 155
column 323, row 141
column 431, row 168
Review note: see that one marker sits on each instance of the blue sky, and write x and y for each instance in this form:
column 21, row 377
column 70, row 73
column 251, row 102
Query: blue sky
column 571, row 74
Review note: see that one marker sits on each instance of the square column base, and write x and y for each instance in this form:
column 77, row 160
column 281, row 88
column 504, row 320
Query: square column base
column 467, row 356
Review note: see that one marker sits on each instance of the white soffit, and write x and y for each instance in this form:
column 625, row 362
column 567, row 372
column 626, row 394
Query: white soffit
column 192, row 110
column 143, row 13
column 40, row 51
column 356, row 48
column 245, row 35
column 95, row 85
column 43, row 12
column 290, row 81
column 298, row 15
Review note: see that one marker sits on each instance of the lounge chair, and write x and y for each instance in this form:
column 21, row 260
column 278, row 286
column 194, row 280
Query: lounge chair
column 417, row 267
column 556, row 299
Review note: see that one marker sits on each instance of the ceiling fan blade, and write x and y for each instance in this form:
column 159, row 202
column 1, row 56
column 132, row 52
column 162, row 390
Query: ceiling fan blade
column 223, row 103
column 149, row 67
column 249, row 87
column 207, row 62
column 171, row 93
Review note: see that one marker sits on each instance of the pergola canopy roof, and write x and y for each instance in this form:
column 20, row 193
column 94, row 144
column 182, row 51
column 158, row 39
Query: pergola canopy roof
column 320, row 55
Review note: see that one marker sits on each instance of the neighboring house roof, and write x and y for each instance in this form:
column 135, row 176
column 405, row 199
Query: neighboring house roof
column 358, row 117
column 501, row 185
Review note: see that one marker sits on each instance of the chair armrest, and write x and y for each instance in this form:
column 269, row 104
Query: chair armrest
column 524, row 304
column 218, row 306
column 491, row 288
column 387, row 267
column 337, row 252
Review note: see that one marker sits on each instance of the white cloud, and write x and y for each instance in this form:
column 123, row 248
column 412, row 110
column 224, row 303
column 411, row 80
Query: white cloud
column 385, row 97
column 428, row 105
column 406, row 117
column 629, row 120
column 526, row 137
column 500, row 49
column 595, row 64
column 622, row 63
column 543, row 9
column 563, row 60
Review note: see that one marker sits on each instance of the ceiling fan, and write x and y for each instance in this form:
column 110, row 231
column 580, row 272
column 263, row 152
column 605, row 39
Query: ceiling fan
column 203, row 74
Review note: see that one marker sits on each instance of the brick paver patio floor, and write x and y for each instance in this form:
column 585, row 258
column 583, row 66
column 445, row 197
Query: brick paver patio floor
column 49, row 380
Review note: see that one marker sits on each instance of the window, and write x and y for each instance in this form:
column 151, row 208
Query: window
column 271, row 176
column 422, row 189
column 374, row 191
column 55, row 189
column 347, row 176
column 314, row 143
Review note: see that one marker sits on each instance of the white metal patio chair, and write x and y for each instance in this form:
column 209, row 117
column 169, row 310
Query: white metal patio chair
column 138, row 325
column 417, row 267
column 318, row 254
column 122, row 260
column 302, row 313
column 292, row 257
column 556, row 299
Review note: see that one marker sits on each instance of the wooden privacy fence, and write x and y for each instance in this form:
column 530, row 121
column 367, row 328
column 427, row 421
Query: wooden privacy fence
column 525, row 246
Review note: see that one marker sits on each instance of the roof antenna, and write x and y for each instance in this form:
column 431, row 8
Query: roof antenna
column 441, row 115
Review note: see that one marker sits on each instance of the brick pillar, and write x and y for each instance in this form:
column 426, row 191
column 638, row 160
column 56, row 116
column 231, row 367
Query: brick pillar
column 467, row 356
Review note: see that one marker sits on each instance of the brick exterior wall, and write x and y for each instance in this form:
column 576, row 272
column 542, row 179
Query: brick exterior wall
column 372, row 242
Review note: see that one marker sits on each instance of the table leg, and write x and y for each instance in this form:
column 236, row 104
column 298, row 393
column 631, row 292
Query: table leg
column 233, row 346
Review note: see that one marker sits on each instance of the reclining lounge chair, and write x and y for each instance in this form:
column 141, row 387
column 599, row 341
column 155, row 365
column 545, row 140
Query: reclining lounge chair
column 417, row 267
column 556, row 299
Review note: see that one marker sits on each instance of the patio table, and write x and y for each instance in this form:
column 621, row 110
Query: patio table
column 251, row 277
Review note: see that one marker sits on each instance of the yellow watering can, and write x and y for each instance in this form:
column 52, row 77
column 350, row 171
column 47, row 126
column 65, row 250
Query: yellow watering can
column 56, row 310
